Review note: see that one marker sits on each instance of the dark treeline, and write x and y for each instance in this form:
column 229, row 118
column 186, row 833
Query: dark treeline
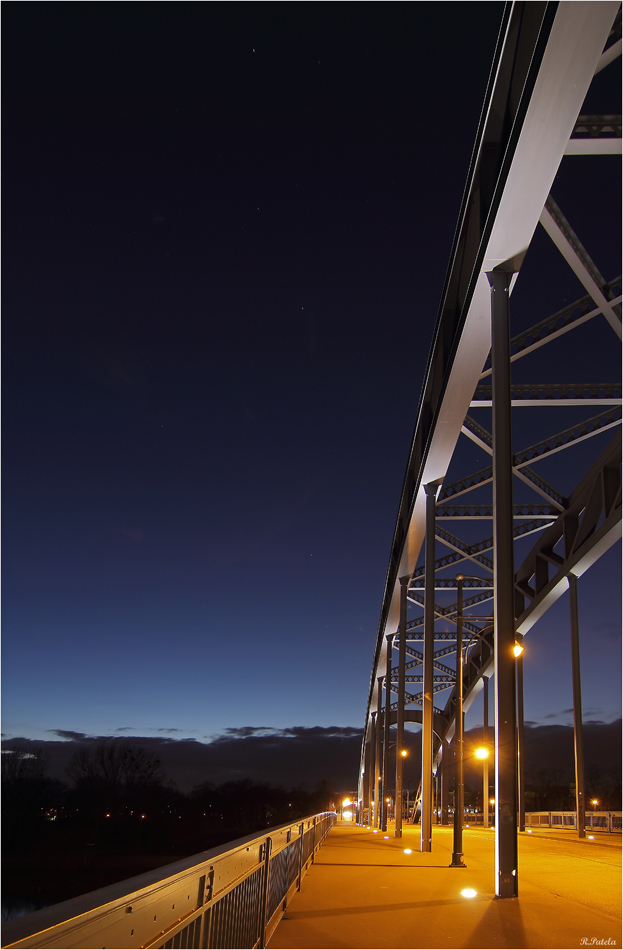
column 117, row 816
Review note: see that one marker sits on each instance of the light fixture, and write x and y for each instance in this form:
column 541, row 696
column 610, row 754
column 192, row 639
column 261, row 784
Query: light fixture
column 408, row 851
column 518, row 648
column 403, row 753
column 492, row 801
column 482, row 753
column 468, row 892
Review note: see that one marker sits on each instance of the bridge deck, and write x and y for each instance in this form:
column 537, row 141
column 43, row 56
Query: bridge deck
column 364, row 891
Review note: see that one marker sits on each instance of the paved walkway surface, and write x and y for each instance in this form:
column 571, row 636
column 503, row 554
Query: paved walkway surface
column 364, row 891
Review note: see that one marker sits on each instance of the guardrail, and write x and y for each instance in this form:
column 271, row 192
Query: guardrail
column 231, row 896
column 597, row 820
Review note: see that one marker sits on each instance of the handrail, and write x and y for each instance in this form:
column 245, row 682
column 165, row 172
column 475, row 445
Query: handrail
column 230, row 896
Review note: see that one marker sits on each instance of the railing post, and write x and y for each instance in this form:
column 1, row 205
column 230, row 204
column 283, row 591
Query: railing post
column 506, row 871
column 302, row 834
column 400, row 719
column 314, row 841
column 264, row 892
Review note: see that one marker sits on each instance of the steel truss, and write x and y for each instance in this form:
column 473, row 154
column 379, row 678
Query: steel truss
column 507, row 197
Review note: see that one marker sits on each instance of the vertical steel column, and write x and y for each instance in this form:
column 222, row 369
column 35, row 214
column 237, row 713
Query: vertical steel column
column 400, row 721
column 371, row 767
column 485, row 764
column 457, row 853
column 521, row 764
column 577, row 707
column 387, row 723
column 377, row 763
column 446, row 778
column 506, row 873
column 426, row 826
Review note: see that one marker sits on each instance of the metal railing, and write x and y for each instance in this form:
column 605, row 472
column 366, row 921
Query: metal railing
column 231, row 896
column 597, row 820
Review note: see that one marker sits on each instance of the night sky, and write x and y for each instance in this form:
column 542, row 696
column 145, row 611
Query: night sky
column 226, row 228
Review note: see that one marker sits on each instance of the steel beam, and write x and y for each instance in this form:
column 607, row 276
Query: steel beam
column 485, row 764
column 446, row 779
column 578, row 742
column 457, row 850
column 569, row 245
column 377, row 756
column 506, row 873
column 400, row 725
column 521, row 764
column 426, row 826
column 386, row 725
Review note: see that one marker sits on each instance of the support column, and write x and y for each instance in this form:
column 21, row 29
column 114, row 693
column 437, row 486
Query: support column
column 446, row 779
column 372, row 769
column 400, row 722
column 485, row 764
column 426, row 825
column 377, row 757
column 506, row 872
column 457, row 852
column 521, row 764
column 387, row 723
column 577, row 708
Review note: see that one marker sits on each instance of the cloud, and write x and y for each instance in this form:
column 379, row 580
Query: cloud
column 308, row 754
column 169, row 730
column 68, row 734
column 243, row 732
column 301, row 732
column 124, row 729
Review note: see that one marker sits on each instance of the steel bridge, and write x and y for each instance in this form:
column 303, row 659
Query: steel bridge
column 463, row 585
column 443, row 632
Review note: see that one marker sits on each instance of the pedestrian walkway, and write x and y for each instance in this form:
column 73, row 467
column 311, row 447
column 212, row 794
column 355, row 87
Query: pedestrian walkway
column 365, row 891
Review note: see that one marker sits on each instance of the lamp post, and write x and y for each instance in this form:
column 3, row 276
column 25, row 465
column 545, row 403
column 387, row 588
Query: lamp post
column 483, row 754
column 457, row 854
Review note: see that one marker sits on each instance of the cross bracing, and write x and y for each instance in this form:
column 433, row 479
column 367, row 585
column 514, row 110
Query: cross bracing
column 562, row 508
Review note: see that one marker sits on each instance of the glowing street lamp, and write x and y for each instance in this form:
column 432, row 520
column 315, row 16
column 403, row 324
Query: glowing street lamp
column 594, row 803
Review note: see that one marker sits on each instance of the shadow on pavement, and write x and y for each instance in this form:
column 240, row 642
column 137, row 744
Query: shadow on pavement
column 501, row 922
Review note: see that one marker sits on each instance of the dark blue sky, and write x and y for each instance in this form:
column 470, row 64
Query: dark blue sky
column 226, row 233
